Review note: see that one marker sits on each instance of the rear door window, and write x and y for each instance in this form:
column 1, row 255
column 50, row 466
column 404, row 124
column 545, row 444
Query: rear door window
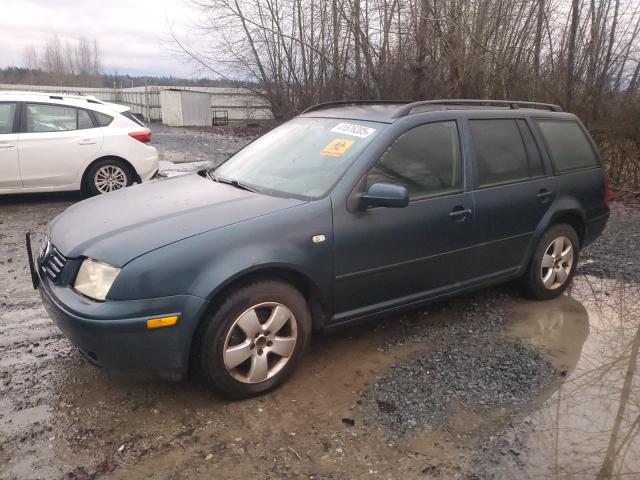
column 84, row 120
column 505, row 151
column 425, row 159
column 568, row 145
column 7, row 116
column 55, row 118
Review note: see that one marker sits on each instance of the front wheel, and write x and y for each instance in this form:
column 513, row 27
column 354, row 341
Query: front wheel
column 255, row 339
column 554, row 263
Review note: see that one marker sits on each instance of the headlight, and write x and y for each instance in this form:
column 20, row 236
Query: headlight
column 94, row 279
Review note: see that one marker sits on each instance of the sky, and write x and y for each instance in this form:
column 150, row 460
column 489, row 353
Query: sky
column 133, row 35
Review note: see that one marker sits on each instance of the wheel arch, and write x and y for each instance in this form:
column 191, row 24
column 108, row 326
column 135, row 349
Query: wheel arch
column 132, row 170
column 570, row 214
column 302, row 282
column 287, row 273
column 575, row 220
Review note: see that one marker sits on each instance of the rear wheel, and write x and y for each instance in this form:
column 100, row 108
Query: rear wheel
column 107, row 176
column 554, row 262
column 255, row 339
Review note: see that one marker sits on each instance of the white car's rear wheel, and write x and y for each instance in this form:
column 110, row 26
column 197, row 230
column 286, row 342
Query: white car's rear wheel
column 106, row 176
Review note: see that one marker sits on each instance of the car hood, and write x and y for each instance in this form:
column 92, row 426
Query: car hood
column 117, row 227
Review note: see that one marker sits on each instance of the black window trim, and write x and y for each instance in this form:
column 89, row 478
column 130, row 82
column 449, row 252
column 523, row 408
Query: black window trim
column 15, row 128
column 433, row 195
column 476, row 183
column 23, row 116
column 563, row 171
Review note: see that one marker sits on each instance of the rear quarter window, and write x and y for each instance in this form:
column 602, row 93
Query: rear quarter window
column 568, row 145
column 103, row 119
column 133, row 118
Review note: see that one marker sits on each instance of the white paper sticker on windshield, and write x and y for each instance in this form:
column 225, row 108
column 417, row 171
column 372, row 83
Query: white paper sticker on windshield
column 355, row 130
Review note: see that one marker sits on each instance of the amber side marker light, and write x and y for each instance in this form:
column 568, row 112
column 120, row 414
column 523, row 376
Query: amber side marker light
column 162, row 322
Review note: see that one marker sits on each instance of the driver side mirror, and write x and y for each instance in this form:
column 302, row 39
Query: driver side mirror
column 385, row 195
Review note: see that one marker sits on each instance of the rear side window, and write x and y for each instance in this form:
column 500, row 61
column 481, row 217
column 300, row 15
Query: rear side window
column 103, row 119
column 425, row 159
column 505, row 151
column 55, row 118
column 569, row 147
column 7, row 115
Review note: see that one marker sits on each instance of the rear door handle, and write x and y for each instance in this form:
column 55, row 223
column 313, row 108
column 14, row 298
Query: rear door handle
column 544, row 195
column 460, row 213
column 87, row 141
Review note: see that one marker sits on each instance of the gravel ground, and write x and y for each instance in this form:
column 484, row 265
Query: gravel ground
column 211, row 145
column 616, row 254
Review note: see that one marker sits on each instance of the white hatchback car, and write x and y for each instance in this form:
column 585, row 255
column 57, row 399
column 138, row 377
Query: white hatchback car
column 52, row 142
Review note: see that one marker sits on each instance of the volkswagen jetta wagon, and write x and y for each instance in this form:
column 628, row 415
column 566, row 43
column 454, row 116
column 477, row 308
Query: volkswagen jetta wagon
column 349, row 211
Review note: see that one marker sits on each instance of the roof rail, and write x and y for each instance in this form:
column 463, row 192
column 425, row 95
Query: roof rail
column 321, row 106
column 512, row 104
column 54, row 95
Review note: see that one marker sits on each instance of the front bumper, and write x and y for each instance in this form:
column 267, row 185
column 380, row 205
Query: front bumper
column 113, row 334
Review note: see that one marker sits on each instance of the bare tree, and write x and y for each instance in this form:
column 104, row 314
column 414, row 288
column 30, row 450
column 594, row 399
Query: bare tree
column 31, row 60
column 583, row 54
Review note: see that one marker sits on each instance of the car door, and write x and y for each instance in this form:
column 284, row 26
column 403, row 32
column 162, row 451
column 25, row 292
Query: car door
column 512, row 189
column 390, row 256
column 55, row 143
column 9, row 163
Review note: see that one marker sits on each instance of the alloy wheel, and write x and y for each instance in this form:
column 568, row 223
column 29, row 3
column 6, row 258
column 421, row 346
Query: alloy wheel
column 109, row 178
column 260, row 342
column 557, row 262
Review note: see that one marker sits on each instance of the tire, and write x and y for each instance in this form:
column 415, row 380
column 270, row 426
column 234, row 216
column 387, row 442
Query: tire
column 543, row 282
column 225, row 339
column 113, row 173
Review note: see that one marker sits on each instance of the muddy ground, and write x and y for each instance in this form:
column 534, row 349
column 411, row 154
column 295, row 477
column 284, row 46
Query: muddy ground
column 488, row 385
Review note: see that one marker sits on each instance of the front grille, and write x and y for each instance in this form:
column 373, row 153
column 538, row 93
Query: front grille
column 53, row 262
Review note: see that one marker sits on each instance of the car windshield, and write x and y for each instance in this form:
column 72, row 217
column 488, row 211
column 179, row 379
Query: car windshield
column 302, row 158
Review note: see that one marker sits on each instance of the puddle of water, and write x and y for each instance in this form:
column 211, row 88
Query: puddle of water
column 588, row 426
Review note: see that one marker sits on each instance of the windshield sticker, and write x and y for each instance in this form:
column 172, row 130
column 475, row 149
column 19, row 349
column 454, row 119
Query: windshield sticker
column 354, row 130
column 337, row 147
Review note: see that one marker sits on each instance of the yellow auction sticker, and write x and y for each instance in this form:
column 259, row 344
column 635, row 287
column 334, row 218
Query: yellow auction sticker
column 337, row 147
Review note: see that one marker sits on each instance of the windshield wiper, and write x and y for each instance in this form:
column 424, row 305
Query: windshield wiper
column 230, row 181
column 235, row 183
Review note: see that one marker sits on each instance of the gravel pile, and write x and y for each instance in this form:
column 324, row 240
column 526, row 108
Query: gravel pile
column 476, row 368
column 615, row 254
column 421, row 394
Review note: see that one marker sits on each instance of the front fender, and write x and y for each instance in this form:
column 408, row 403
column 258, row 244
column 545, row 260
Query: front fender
column 204, row 264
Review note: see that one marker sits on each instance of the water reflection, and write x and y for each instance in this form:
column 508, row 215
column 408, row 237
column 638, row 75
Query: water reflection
column 588, row 427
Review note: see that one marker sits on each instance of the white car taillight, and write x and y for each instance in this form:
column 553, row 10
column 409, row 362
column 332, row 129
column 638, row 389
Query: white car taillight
column 144, row 137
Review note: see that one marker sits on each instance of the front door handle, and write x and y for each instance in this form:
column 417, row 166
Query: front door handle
column 544, row 195
column 6, row 145
column 460, row 213
column 87, row 141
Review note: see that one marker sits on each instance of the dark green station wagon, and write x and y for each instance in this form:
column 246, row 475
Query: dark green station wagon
column 350, row 211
